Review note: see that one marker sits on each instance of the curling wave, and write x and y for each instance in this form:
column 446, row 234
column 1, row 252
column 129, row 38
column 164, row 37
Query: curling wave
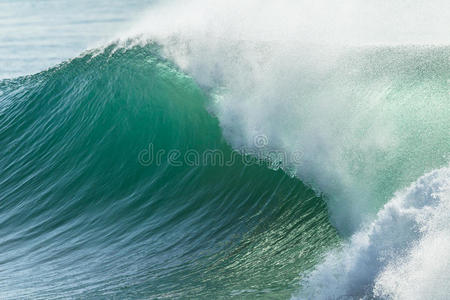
column 85, row 212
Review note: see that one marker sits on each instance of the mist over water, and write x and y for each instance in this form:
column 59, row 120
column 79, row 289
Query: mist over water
column 330, row 22
column 322, row 79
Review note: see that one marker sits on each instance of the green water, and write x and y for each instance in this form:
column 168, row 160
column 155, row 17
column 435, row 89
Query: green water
column 82, row 216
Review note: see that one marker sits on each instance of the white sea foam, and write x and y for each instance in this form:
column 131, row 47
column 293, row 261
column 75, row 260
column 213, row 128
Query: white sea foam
column 402, row 254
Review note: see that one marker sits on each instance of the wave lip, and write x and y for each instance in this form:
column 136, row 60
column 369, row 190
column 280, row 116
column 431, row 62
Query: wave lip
column 368, row 119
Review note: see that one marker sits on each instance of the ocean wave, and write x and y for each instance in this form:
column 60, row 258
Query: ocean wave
column 86, row 213
column 204, row 154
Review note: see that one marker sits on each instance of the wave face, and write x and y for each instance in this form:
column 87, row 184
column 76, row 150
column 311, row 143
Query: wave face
column 85, row 212
column 368, row 121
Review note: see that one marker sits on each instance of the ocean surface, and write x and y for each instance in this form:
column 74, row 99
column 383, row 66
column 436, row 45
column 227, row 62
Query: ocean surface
column 36, row 35
column 224, row 150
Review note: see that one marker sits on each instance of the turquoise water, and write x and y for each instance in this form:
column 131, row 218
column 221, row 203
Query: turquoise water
column 177, row 161
column 83, row 217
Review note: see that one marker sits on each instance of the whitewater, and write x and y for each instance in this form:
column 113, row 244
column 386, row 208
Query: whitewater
column 358, row 93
